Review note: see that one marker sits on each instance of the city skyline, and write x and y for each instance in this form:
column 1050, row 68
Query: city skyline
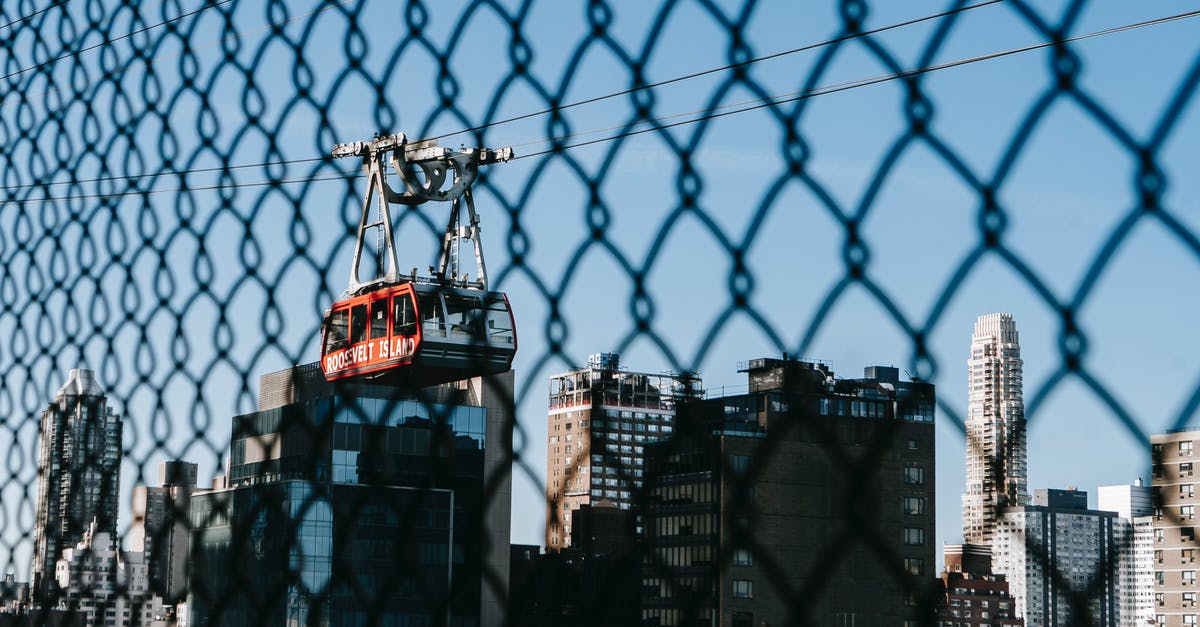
column 692, row 186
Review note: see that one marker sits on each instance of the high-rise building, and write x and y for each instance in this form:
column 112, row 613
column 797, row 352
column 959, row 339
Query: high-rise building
column 161, row 530
column 806, row 487
column 1135, row 550
column 1175, row 526
column 627, row 409
column 974, row 596
column 1061, row 560
column 353, row 503
column 996, row 469
column 79, row 468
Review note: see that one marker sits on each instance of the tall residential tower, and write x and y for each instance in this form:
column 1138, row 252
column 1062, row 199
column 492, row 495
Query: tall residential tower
column 601, row 418
column 79, row 465
column 996, row 470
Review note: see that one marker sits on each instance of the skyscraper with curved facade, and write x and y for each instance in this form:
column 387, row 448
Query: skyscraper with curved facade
column 996, row 466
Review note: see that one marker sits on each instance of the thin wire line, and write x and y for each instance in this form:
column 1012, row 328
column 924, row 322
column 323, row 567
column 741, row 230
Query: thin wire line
column 33, row 15
column 114, row 40
column 148, row 192
column 713, row 113
column 165, row 173
column 521, row 117
column 731, row 66
column 882, row 78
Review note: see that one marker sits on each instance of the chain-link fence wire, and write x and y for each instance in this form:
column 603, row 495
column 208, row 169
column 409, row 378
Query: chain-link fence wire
column 170, row 221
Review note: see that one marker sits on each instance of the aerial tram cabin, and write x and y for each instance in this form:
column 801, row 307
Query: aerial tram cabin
column 420, row 333
column 405, row 330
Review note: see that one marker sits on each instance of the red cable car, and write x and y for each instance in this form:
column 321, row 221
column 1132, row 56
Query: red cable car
column 401, row 329
column 440, row 332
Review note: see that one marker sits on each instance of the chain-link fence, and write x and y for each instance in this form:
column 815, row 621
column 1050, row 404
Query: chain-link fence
column 692, row 181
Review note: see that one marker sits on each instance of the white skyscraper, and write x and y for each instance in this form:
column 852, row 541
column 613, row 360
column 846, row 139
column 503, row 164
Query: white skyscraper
column 1134, row 537
column 996, row 470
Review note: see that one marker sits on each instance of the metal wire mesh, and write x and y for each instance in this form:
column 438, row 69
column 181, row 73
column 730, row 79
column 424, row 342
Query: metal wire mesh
column 170, row 221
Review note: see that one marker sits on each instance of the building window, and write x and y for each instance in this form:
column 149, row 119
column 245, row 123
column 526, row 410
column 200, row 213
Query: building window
column 743, row 557
column 743, row 589
column 1186, row 490
column 1185, row 448
column 1189, row 599
column 914, row 565
column 1156, row 450
column 1185, row 469
column 1188, row 556
column 740, row 463
column 1158, row 556
column 912, row 445
column 914, row 505
column 1188, row 577
column 914, row 475
column 1187, row 512
column 1159, row 580
column 1158, row 535
column 914, row 536
column 1160, row 599
column 1187, row 534
column 1189, row 619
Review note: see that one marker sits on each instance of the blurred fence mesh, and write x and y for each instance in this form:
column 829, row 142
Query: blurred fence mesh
column 170, row 220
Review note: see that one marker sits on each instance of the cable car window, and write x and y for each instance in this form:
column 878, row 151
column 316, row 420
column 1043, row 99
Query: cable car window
column 499, row 323
column 339, row 324
column 406, row 319
column 358, row 323
column 379, row 319
column 464, row 314
column 430, row 307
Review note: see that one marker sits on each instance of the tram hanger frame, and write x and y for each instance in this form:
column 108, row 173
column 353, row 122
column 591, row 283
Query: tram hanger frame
column 436, row 163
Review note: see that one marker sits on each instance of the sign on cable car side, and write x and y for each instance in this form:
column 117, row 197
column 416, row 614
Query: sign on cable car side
column 363, row 357
column 396, row 329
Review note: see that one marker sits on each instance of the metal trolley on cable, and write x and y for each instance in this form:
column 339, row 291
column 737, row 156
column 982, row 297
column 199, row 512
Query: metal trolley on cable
column 418, row 330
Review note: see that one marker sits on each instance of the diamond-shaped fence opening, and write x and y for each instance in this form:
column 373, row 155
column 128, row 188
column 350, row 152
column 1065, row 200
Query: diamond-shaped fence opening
column 691, row 181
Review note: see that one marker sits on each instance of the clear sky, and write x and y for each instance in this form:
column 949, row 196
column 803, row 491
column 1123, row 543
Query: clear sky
column 180, row 329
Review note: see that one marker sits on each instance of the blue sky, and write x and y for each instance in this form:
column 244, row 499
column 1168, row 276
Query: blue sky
column 157, row 338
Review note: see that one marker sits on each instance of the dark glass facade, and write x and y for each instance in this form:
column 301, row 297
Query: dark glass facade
column 347, row 510
column 808, row 500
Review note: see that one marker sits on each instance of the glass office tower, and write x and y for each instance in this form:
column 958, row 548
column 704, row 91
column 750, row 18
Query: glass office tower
column 356, row 505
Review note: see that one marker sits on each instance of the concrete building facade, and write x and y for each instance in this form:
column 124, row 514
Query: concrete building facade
column 1135, row 542
column 765, row 496
column 600, row 419
column 1060, row 559
column 974, row 596
column 107, row 586
column 1174, row 527
column 996, row 457
column 161, row 529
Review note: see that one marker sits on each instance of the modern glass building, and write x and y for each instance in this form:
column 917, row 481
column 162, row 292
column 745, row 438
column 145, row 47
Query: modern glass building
column 358, row 505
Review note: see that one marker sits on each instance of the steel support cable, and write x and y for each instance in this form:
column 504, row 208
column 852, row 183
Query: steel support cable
column 223, row 39
column 686, row 77
column 108, row 42
column 33, row 15
column 571, row 105
column 702, row 115
column 840, row 87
